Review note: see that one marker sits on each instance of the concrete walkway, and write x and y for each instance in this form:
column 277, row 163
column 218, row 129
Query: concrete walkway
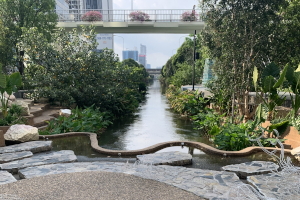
column 93, row 185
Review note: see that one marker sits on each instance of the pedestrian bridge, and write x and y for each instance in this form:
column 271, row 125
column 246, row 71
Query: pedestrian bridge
column 178, row 21
column 154, row 71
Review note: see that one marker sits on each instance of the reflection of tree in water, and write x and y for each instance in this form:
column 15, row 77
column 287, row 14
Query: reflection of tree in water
column 81, row 145
column 112, row 138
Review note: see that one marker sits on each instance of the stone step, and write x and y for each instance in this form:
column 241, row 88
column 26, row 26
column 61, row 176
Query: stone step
column 244, row 170
column 28, row 101
column 207, row 184
column 36, row 111
column 33, row 146
column 64, row 156
column 174, row 158
column 6, row 177
column 9, row 157
column 42, row 121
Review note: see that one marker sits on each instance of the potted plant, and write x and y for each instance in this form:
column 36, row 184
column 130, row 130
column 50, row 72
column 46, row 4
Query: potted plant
column 139, row 16
column 189, row 16
column 92, row 16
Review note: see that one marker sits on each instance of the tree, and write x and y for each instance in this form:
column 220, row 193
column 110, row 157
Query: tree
column 183, row 58
column 19, row 14
column 70, row 71
column 241, row 34
column 289, row 30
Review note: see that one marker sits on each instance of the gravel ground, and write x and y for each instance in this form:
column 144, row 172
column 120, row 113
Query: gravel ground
column 93, row 185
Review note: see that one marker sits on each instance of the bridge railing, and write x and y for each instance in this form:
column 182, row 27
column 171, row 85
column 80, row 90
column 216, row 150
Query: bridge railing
column 174, row 15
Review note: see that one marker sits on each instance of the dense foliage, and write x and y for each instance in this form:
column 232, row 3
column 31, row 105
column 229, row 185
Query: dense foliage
column 19, row 14
column 187, row 102
column 86, row 120
column 14, row 116
column 238, row 44
column 178, row 69
column 70, row 71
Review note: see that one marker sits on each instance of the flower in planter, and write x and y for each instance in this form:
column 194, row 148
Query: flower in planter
column 92, row 16
column 189, row 16
column 139, row 16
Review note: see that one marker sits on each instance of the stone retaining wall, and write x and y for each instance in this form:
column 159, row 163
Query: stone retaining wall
column 198, row 145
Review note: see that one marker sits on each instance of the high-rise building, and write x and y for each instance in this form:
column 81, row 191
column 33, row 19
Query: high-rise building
column 131, row 54
column 143, row 55
column 62, row 7
column 148, row 66
column 142, row 60
column 143, row 50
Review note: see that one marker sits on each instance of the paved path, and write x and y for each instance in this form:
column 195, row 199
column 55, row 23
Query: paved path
column 94, row 185
column 203, row 183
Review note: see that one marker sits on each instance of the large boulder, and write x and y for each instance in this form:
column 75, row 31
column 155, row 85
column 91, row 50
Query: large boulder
column 10, row 97
column 25, row 108
column 22, row 133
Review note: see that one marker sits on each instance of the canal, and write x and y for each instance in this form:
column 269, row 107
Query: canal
column 153, row 123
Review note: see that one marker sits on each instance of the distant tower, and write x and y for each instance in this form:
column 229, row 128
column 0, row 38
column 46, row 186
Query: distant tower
column 143, row 55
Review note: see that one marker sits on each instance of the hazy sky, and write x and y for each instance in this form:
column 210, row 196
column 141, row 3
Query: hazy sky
column 160, row 47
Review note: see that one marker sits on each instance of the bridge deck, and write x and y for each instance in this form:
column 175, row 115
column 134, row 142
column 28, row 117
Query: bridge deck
column 138, row 27
column 121, row 21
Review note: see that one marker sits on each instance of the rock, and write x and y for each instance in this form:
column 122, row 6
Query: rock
column 25, row 108
column 251, row 168
column 22, row 133
column 6, row 177
column 65, row 112
column 166, row 158
column 282, row 185
column 34, row 147
column 64, row 156
column 8, row 157
column 295, row 151
column 10, row 97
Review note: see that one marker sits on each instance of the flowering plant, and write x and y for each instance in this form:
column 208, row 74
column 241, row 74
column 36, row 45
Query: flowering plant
column 139, row 16
column 189, row 16
column 92, row 16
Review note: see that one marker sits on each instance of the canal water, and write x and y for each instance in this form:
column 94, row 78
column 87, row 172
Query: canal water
column 153, row 123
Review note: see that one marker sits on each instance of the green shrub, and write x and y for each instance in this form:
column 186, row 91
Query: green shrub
column 184, row 75
column 87, row 120
column 209, row 122
column 234, row 137
column 13, row 116
column 186, row 102
column 70, row 71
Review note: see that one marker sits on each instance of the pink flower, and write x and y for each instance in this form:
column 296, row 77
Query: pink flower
column 92, row 16
column 139, row 16
column 189, row 16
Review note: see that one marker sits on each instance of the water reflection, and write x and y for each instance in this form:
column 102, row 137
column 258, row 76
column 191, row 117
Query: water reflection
column 153, row 123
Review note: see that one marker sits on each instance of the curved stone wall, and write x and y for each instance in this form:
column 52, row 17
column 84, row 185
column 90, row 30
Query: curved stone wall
column 198, row 145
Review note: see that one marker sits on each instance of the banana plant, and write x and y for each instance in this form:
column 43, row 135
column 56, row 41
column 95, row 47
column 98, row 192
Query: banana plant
column 293, row 79
column 271, row 81
column 8, row 84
